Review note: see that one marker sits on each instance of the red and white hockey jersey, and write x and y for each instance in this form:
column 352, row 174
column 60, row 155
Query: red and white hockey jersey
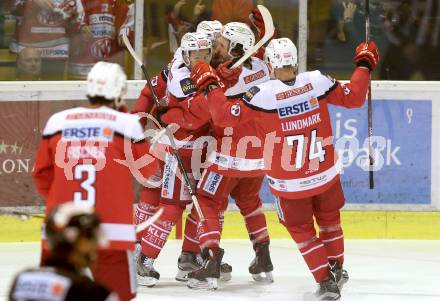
column 300, row 160
column 41, row 28
column 89, row 156
column 101, row 22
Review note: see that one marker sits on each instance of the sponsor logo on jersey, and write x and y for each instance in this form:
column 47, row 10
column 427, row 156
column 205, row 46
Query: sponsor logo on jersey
column 250, row 94
column 235, row 110
column 254, row 77
column 188, row 87
column 102, row 18
column 41, row 285
column 101, row 48
column 294, row 92
column 49, row 18
column 88, row 133
column 297, row 108
column 212, row 182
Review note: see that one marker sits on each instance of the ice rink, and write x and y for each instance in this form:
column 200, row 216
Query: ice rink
column 379, row 270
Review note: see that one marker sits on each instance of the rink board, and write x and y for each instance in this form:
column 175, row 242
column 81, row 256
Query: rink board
column 405, row 119
column 357, row 225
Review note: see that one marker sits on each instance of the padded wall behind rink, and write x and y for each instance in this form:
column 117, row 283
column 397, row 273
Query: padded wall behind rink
column 406, row 121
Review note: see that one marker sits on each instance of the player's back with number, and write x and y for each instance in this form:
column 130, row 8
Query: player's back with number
column 302, row 121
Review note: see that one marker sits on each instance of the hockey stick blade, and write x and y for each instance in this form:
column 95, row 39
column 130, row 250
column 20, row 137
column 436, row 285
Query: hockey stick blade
column 131, row 50
column 269, row 30
column 142, row 226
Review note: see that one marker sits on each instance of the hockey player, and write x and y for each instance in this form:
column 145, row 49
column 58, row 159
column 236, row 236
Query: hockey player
column 73, row 235
column 235, row 170
column 175, row 197
column 302, row 170
column 149, row 200
column 88, row 155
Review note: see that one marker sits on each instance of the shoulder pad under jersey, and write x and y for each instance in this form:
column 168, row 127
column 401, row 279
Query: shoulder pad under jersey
column 322, row 83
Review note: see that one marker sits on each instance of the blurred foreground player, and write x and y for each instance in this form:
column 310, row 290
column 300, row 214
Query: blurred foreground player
column 89, row 155
column 302, row 167
column 73, row 234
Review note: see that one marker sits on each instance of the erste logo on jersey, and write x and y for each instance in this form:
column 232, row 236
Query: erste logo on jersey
column 88, row 133
column 188, row 87
column 295, row 108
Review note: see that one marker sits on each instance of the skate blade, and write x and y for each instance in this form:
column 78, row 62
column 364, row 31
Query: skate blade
column 182, row 276
column 326, row 296
column 208, row 284
column 146, row 281
column 225, row 276
column 268, row 278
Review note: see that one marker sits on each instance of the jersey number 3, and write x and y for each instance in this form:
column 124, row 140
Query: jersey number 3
column 86, row 184
column 316, row 151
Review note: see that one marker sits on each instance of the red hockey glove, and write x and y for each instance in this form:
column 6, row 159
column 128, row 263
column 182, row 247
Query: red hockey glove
column 228, row 76
column 202, row 74
column 367, row 55
column 257, row 20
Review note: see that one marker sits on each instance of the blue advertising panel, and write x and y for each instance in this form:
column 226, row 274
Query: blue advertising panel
column 402, row 143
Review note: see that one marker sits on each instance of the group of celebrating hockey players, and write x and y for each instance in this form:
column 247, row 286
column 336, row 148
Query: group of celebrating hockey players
column 219, row 111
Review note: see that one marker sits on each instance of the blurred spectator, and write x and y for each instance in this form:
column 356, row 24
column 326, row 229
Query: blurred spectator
column 233, row 10
column 29, row 64
column 96, row 34
column 413, row 30
column 42, row 24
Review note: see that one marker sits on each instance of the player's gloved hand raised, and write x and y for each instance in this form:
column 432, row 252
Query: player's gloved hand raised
column 257, row 20
column 203, row 75
column 228, row 76
column 367, row 55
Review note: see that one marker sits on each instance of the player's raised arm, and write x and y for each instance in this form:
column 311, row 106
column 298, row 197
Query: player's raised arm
column 352, row 94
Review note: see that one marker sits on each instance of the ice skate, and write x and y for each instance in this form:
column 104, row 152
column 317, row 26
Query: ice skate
column 188, row 262
column 146, row 274
column 137, row 251
column 207, row 275
column 262, row 263
column 225, row 271
column 340, row 275
column 328, row 290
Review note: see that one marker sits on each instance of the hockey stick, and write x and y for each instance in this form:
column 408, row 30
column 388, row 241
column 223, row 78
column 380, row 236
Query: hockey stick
column 269, row 30
column 370, row 103
column 24, row 216
column 142, row 226
column 167, row 132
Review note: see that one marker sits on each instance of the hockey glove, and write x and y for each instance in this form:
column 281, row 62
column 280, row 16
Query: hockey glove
column 228, row 76
column 203, row 75
column 367, row 55
column 258, row 22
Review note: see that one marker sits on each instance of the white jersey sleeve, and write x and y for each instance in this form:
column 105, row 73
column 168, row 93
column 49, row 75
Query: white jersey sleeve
column 322, row 84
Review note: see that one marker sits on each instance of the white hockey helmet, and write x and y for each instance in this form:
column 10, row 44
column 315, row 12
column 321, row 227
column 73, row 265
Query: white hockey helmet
column 194, row 41
column 281, row 53
column 212, row 29
column 107, row 80
column 238, row 34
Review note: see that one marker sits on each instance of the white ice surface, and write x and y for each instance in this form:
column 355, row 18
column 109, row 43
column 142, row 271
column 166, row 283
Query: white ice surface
column 380, row 270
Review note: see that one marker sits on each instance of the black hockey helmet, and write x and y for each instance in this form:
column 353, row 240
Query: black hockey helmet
column 68, row 222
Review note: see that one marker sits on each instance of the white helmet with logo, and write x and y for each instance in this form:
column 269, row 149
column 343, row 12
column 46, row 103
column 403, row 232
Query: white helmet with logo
column 238, row 34
column 212, row 29
column 281, row 53
column 194, row 41
column 107, row 80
